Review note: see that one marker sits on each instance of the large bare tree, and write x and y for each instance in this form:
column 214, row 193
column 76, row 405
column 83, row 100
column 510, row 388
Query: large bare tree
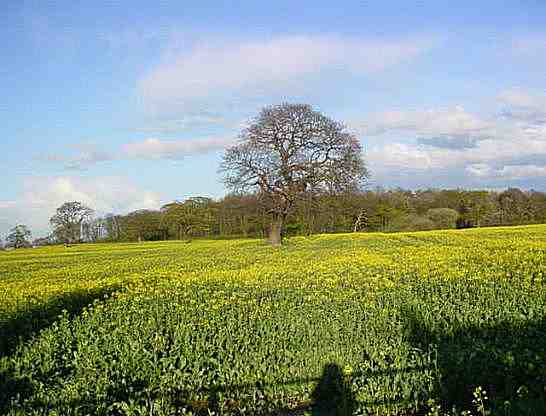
column 290, row 150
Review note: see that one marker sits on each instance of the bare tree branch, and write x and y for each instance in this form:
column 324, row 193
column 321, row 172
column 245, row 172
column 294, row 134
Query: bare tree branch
column 291, row 149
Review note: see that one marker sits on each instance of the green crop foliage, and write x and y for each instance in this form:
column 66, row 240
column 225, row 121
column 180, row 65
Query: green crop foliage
column 365, row 324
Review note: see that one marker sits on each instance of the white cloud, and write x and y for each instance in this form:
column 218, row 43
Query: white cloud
column 480, row 170
column 81, row 160
column 208, row 69
column 184, row 122
column 163, row 149
column 148, row 149
column 454, row 121
column 400, row 155
column 507, row 172
column 522, row 171
column 42, row 195
column 522, row 105
column 448, row 139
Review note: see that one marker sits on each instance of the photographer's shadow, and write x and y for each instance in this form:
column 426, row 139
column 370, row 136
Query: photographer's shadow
column 333, row 394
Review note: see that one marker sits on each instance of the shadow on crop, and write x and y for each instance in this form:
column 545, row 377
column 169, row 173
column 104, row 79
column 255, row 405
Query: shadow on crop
column 333, row 394
column 25, row 323
column 507, row 360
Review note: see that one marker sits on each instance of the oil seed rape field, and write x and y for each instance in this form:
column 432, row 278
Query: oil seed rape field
column 365, row 324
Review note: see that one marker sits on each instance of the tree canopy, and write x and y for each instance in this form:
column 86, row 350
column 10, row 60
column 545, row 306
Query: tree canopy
column 68, row 220
column 19, row 236
column 194, row 216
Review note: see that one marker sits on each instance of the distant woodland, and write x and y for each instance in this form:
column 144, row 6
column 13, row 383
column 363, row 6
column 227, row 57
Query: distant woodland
column 366, row 211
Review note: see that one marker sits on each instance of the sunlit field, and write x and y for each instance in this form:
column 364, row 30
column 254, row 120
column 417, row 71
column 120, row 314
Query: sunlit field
column 379, row 324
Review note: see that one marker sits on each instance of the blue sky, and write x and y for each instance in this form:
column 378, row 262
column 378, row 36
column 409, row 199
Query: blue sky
column 127, row 105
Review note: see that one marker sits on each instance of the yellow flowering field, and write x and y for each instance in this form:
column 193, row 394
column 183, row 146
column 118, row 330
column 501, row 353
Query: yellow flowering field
column 383, row 323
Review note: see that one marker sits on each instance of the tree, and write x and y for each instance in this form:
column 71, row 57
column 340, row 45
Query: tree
column 68, row 220
column 515, row 207
column 290, row 150
column 19, row 237
column 537, row 201
column 194, row 216
column 482, row 208
column 241, row 215
column 360, row 221
column 142, row 225
column 93, row 230
column 443, row 217
column 384, row 216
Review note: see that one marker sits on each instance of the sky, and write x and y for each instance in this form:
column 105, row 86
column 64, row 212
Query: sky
column 129, row 105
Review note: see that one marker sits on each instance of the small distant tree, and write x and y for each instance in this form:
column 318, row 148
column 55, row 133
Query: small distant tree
column 194, row 216
column 515, row 207
column 142, row 225
column 288, row 151
column 68, row 220
column 19, row 237
column 477, row 209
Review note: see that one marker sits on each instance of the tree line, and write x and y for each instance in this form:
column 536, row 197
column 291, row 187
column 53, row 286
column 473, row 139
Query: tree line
column 244, row 215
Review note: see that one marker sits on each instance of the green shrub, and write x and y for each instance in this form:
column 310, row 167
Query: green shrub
column 443, row 218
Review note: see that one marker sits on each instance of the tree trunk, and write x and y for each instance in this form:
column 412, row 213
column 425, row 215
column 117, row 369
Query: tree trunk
column 275, row 232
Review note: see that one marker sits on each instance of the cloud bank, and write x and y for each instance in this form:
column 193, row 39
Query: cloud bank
column 510, row 145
